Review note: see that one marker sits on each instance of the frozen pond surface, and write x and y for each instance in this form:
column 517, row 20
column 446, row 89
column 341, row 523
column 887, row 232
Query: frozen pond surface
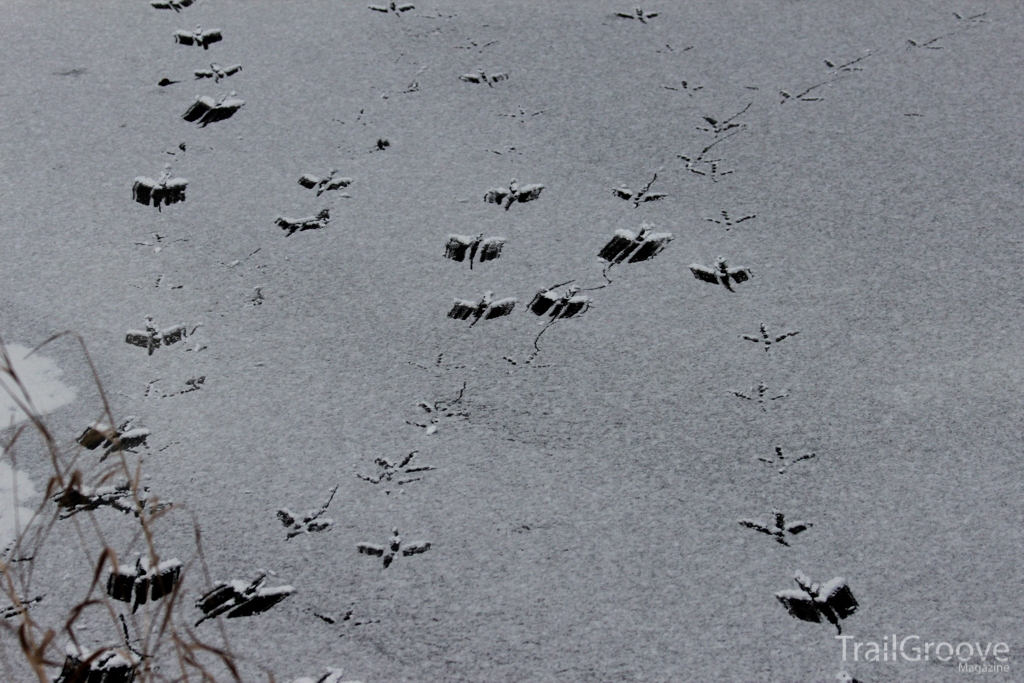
column 435, row 424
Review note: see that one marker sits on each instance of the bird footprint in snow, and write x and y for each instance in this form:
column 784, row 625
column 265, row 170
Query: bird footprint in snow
column 777, row 528
column 390, row 551
column 310, row 522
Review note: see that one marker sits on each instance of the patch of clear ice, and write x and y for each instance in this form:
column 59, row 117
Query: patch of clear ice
column 13, row 517
column 41, row 378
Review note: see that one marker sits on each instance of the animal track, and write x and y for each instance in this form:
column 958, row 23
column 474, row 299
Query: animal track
column 128, row 639
column 206, row 110
column 437, row 365
column 778, row 527
column 391, row 469
column 757, row 395
column 414, row 85
column 193, row 384
column 152, row 338
column 216, row 72
column 104, row 665
column 100, row 434
column 636, row 247
column 325, row 184
column 685, row 86
column 234, row 263
column 834, row 601
column 308, row 523
column 508, row 150
column 556, row 307
column 482, row 77
column 640, row 196
column 438, row 410
column 718, row 127
column 713, row 170
column 176, row 5
column 729, row 222
column 159, row 280
column 638, row 14
column 974, row 19
column 848, row 66
column 181, row 147
column 79, row 498
column 20, row 608
column 199, row 37
column 392, row 8
column 522, row 115
column 162, row 192
column 514, row 193
column 473, row 45
column 332, row 676
column 390, row 551
column 484, row 309
column 766, row 339
column 461, row 246
column 120, row 439
column 559, row 306
column 803, row 96
column 781, row 459
column 142, row 583
column 721, row 273
column 930, row 44
column 293, row 225
column 670, row 49
column 345, row 619
column 240, row 600
column 157, row 245
column 625, row 244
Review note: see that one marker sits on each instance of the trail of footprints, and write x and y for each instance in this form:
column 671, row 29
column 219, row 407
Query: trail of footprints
column 140, row 583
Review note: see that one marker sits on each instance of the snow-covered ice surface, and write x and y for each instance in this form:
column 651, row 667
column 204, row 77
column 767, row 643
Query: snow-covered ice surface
column 583, row 510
